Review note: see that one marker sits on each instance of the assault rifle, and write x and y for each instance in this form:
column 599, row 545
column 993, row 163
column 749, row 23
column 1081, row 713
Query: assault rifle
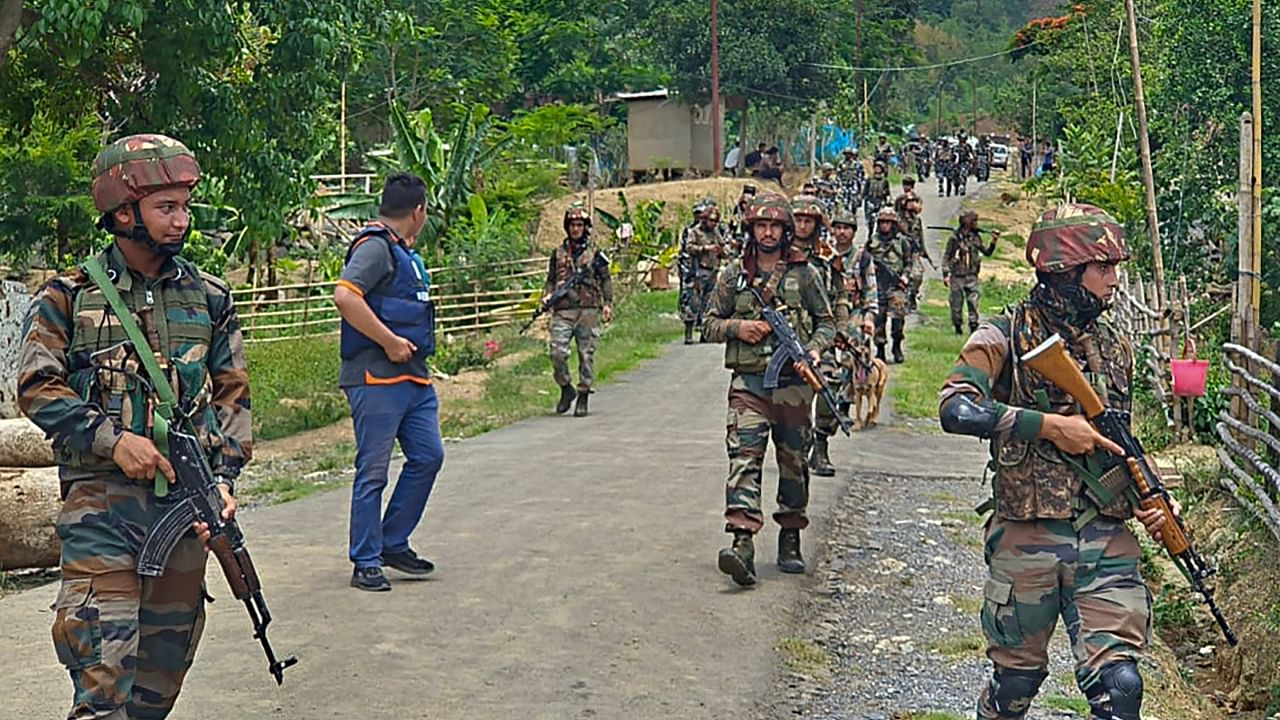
column 195, row 497
column 791, row 353
column 565, row 288
column 1050, row 359
column 948, row 227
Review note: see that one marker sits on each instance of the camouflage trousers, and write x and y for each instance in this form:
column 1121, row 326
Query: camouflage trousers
column 1043, row 569
column 824, row 418
column 567, row 326
column 126, row 640
column 915, row 279
column 870, row 208
column 756, row 415
column 893, row 306
column 695, row 295
column 964, row 291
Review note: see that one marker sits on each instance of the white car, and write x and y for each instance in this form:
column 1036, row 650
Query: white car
column 999, row 156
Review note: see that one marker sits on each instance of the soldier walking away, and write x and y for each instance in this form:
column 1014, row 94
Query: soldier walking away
column 875, row 194
column 126, row 639
column 961, row 264
column 705, row 246
column 850, row 175
column 684, row 263
column 852, row 292
column 738, row 221
column 884, row 152
column 809, row 243
column 1057, row 542
column 757, row 413
column 576, row 318
column 964, row 162
column 388, row 334
column 891, row 249
column 910, row 209
column 945, row 167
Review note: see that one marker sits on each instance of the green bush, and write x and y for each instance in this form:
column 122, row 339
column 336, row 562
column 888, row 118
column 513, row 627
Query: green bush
column 295, row 386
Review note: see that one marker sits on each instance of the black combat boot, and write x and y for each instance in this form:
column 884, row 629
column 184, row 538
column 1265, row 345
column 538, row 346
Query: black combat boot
column 688, row 333
column 898, row 331
column 880, row 351
column 973, row 327
column 957, row 327
column 580, row 409
column 819, row 462
column 566, row 399
column 789, row 559
column 738, row 561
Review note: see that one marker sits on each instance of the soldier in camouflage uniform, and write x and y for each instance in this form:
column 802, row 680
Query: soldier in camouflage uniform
column 1057, row 543
column 875, row 195
column 961, row 264
column 945, row 166
column 910, row 207
column 738, row 222
column 851, row 288
column 128, row 640
column 891, row 249
column 577, row 317
column 757, row 413
column 964, row 162
column 850, row 175
column 810, row 242
column 705, row 247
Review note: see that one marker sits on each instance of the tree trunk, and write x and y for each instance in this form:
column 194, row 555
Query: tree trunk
column 23, row 445
column 29, row 506
column 10, row 19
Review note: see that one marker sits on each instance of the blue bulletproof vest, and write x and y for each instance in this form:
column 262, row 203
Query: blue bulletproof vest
column 405, row 306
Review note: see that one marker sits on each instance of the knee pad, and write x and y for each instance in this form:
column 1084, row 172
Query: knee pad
column 1118, row 693
column 1012, row 691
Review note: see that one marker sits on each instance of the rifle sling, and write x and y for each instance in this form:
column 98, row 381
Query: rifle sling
column 165, row 400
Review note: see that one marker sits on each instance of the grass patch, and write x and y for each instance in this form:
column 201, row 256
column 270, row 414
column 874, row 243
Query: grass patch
column 959, row 645
column 932, row 348
column 944, row 497
column 966, row 538
column 295, row 386
column 1061, row 703
column 803, row 657
column 968, row 518
column 967, row 604
column 288, row 487
column 643, row 326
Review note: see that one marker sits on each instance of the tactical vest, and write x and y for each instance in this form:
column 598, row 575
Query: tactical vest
column 588, row 293
column 967, row 261
column 892, row 251
column 404, row 306
column 787, row 289
column 700, row 236
column 1033, row 479
column 852, row 268
column 174, row 312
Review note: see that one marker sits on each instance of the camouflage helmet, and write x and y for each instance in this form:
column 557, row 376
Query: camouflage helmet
column 576, row 211
column 711, row 212
column 133, row 167
column 828, row 166
column 1075, row 234
column 771, row 207
column 886, row 214
column 844, row 216
column 809, row 206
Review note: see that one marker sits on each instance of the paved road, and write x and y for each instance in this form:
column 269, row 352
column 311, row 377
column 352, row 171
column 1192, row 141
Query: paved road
column 576, row 578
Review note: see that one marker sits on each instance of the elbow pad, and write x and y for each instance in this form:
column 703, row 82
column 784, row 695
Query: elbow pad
column 962, row 416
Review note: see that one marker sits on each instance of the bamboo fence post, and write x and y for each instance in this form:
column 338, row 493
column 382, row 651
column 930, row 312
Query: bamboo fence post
column 1175, row 300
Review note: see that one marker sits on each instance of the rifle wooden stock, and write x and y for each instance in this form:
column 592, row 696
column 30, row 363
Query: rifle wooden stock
column 1051, row 360
column 810, row 377
column 1171, row 533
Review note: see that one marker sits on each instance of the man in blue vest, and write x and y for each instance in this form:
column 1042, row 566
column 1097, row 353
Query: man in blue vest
column 388, row 332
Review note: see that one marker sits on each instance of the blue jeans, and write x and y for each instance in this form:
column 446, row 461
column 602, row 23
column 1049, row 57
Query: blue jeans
column 382, row 414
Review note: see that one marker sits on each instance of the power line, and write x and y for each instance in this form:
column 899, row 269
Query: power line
column 932, row 66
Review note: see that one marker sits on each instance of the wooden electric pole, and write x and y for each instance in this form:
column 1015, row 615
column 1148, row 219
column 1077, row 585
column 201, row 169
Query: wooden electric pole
column 1255, row 278
column 858, row 80
column 1144, row 149
column 717, row 158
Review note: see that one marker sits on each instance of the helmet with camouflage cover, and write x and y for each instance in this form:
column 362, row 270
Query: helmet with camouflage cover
column 710, row 213
column 133, row 167
column 844, row 216
column 887, row 214
column 809, row 206
column 576, row 211
column 771, row 207
column 828, row 166
column 1075, row 234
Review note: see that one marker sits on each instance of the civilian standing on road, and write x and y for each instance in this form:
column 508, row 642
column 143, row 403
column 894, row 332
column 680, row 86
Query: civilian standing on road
column 388, row 332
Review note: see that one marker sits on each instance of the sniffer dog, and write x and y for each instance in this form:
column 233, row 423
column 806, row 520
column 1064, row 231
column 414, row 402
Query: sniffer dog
column 865, row 379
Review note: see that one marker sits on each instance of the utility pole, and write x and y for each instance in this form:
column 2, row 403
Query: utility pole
column 973, row 85
column 1144, row 149
column 342, row 142
column 717, row 157
column 858, row 80
column 1255, row 279
column 938, row 130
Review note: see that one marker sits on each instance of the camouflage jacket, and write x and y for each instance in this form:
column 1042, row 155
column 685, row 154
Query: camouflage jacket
column 1033, row 479
column 858, row 282
column 705, row 247
column 851, row 171
column 594, row 291
column 896, row 253
column 194, row 332
column 963, row 257
column 877, row 189
column 797, row 291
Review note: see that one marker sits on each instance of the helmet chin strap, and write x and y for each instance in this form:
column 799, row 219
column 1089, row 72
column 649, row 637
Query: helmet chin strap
column 139, row 233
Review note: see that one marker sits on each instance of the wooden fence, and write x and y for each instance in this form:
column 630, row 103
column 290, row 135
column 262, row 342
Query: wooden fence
column 467, row 297
column 1248, row 431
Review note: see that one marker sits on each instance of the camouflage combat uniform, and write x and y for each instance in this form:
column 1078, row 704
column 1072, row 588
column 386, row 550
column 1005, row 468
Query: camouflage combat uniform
column 1050, row 550
column 961, row 263
column 705, row 248
column 757, row 414
column 853, row 296
column 913, row 227
column 128, row 641
column 893, row 251
column 577, row 316
column 874, row 196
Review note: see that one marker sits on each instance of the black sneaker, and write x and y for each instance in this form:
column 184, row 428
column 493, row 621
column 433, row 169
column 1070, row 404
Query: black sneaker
column 370, row 579
column 408, row 562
